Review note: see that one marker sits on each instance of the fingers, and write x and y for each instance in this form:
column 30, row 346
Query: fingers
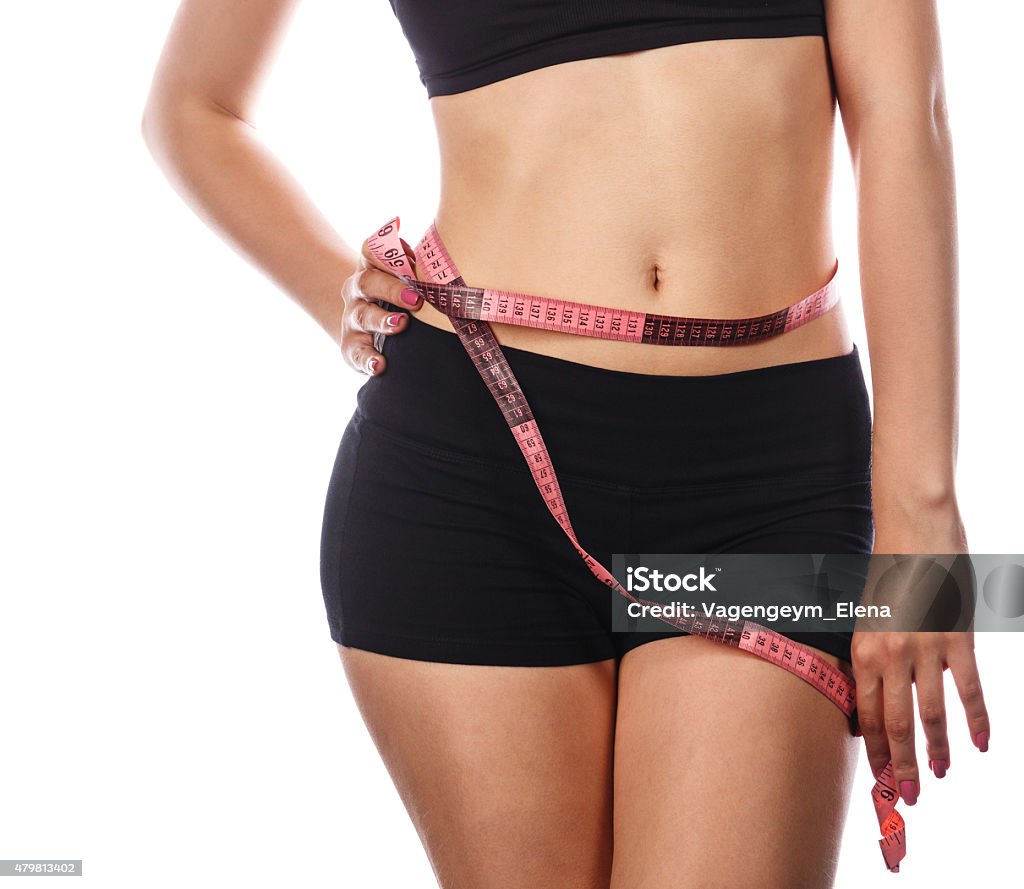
column 373, row 281
column 371, row 284
column 370, row 297
column 931, row 707
column 885, row 707
column 886, row 666
column 964, row 667
column 899, row 729
column 871, row 718
column 360, row 353
column 366, row 316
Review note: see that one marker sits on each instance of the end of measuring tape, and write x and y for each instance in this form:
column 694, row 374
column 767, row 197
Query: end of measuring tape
column 894, row 835
column 390, row 251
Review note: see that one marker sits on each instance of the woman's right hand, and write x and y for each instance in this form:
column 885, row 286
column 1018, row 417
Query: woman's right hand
column 363, row 317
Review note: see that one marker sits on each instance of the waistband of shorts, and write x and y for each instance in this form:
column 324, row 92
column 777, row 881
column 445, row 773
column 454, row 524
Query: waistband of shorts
column 807, row 418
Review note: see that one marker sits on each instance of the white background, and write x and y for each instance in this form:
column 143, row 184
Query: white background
column 169, row 696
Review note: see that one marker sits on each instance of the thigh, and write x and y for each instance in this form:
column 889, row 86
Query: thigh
column 505, row 771
column 729, row 771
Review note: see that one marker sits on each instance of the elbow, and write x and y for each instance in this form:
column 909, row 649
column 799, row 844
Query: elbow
column 940, row 115
column 155, row 127
column 154, row 115
column 148, row 126
column 170, row 125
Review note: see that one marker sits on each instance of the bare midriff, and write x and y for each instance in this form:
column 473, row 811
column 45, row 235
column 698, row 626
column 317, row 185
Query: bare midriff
column 684, row 180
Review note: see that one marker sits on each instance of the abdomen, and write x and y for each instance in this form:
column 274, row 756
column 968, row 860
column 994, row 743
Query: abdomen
column 688, row 180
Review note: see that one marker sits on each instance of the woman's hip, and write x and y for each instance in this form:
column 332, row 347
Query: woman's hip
column 805, row 419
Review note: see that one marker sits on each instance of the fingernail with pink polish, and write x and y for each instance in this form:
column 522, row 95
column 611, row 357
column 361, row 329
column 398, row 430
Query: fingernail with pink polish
column 373, row 365
column 394, row 320
column 938, row 766
column 410, row 296
column 982, row 741
column 908, row 790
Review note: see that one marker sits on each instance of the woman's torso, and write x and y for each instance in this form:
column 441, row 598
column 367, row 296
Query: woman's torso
column 692, row 179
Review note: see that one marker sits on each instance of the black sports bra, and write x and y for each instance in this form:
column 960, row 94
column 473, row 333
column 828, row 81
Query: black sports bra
column 460, row 45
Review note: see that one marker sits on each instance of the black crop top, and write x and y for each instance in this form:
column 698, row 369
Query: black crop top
column 463, row 44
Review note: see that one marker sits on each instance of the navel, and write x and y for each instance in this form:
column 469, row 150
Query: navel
column 655, row 277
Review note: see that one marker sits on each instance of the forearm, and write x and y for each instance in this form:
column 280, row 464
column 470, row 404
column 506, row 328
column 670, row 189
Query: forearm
column 217, row 162
column 909, row 279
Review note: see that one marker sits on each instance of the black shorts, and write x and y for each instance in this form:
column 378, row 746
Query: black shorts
column 437, row 545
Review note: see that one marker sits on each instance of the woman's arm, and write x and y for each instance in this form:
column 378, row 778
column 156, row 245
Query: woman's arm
column 888, row 67
column 197, row 125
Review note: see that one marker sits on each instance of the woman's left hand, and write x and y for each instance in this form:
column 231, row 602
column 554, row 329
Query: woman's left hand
column 886, row 664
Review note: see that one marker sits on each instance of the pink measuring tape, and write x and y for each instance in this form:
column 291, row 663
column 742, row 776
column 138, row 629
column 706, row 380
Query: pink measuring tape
column 471, row 309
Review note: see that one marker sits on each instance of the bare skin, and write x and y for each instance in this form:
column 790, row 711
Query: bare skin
column 675, row 180
column 690, row 180
column 510, row 773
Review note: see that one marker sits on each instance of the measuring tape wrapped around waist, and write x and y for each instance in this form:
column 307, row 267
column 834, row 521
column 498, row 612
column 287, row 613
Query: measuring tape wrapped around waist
column 471, row 309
